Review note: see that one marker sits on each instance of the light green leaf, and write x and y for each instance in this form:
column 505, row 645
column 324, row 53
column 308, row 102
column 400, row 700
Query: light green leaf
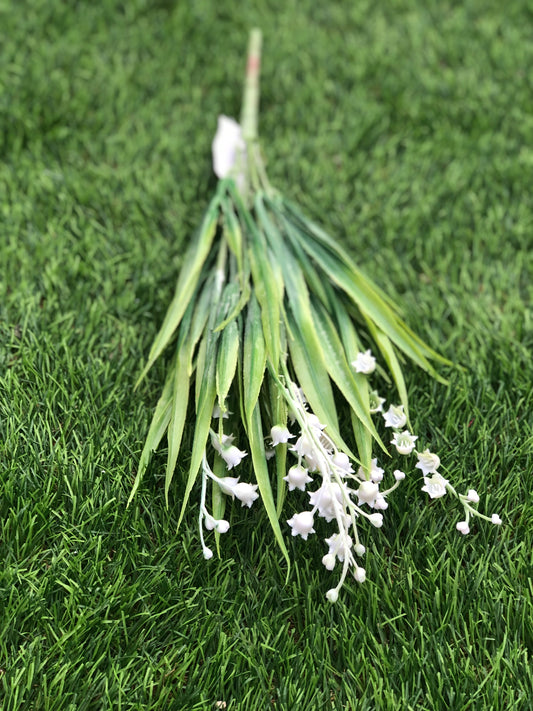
column 205, row 305
column 218, row 499
column 307, row 228
column 374, row 307
column 278, row 406
column 157, row 429
column 180, row 399
column 204, row 414
column 254, row 431
column 312, row 376
column 354, row 389
column 254, row 357
column 187, row 281
column 228, row 352
column 386, row 349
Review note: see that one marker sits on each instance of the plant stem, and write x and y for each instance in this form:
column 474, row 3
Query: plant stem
column 250, row 102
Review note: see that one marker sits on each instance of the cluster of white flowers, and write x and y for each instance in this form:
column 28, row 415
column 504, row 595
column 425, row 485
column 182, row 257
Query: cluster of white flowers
column 341, row 494
column 228, row 485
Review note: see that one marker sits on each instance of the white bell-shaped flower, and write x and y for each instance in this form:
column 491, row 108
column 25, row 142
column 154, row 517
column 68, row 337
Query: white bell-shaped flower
column 435, row 485
column 404, row 442
column 428, row 462
column 280, row 435
column 395, row 417
column 297, row 478
column 232, row 456
column 364, row 363
column 302, row 524
column 246, row 493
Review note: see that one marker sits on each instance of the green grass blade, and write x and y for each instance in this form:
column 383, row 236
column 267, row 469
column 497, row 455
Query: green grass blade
column 157, row 429
column 187, row 281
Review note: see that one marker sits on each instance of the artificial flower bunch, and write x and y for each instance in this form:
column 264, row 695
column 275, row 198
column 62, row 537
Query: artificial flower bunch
column 274, row 324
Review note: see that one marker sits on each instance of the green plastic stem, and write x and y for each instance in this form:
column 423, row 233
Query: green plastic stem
column 250, row 102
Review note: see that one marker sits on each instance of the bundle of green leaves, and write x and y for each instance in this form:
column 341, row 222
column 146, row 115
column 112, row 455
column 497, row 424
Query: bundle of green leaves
column 274, row 324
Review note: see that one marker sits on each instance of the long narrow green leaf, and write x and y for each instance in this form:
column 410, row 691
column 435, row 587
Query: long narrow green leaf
column 204, row 414
column 187, row 281
column 268, row 289
column 278, row 406
column 267, row 281
column 352, row 345
column 257, row 448
column 204, row 306
column 233, row 234
column 254, row 358
column 313, row 378
column 157, row 429
column 354, row 390
column 180, row 400
column 372, row 306
column 228, row 352
column 304, row 224
column 218, row 499
column 386, row 349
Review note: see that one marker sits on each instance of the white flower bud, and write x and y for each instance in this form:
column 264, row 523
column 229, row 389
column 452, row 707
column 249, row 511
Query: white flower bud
column 329, row 561
column 246, row 493
column 280, row 435
column 302, row 524
column 399, row 475
column 428, row 463
column 228, row 144
column 209, row 522
column 232, row 456
column 380, row 503
column 342, row 462
column 404, row 442
column 208, row 553
column 395, row 417
column 297, row 478
column 367, row 493
column 359, row 549
column 472, row 496
column 222, row 526
column 496, row 520
column 435, row 485
column 364, row 363
column 332, row 595
column 359, row 574
column 376, row 520
column 462, row 527
column 376, row 402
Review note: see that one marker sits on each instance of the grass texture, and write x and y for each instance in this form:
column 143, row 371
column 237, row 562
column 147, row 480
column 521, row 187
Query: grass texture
column 405, row 128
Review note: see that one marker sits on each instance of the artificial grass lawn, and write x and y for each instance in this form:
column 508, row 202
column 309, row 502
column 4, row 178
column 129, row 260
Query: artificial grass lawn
column 406, row 129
